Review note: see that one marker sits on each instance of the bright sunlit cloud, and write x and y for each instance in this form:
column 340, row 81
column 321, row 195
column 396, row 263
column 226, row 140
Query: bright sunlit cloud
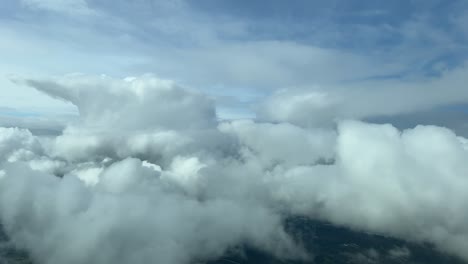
column 179, row 130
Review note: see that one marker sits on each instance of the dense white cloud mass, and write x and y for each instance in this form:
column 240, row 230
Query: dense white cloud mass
column 15, row 142
column 282, row 143
column 408, row 184
column 144, row 117
column 147, row 173
column 131, row 103
column 131, row 216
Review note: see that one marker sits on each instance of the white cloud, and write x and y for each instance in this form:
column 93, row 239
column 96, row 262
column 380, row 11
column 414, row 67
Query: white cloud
column 17, row 142
column 219, row 53
column 323, row 105
column 128, row 217
column 204, row 187
column 138, row 103
column 282, row 143
column 237, row 178
column 407, row 184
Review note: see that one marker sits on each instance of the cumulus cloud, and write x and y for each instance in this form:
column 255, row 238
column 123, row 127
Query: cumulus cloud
column 134, row 103
column 128, row 217
column 148, row 173
column 16, row 142
column 144, row 117
column 407, row 184
column 282, row 143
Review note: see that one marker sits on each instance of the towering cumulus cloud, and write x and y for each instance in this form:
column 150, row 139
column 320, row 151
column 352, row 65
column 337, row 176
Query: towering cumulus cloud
column 147, row 174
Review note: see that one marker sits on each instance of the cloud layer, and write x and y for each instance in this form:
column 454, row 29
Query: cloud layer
column 320, row 106
column 148, row 173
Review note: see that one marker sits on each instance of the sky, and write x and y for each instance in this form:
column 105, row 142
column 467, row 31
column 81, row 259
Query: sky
column 135, row 131
column 237, row 52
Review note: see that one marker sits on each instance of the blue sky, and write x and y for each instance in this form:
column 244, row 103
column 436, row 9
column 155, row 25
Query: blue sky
column 236, row 51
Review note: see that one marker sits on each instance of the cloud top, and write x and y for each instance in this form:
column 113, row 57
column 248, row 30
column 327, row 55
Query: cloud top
column 147, row 173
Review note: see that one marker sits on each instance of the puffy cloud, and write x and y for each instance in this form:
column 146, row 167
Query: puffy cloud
column 283, row 143
column 129, row 216
column 148, row 173
column 143, row 117
column 112, row 208
column 407, row 184
column 131, row 103
column 15, row 143
column 314, row 108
